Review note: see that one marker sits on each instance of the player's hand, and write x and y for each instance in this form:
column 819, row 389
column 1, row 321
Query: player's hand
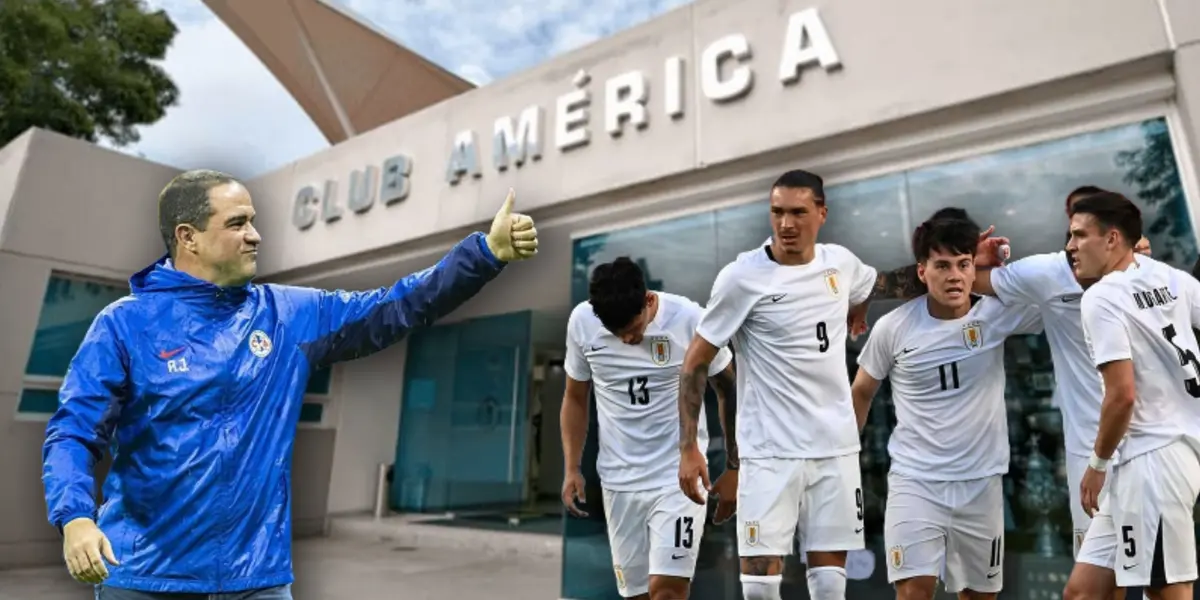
column 856, row 321
column 1089, row 490
column 693, row 474
column 85, row 548
column 725, row 490
column 1143, row 246
column 573, row 493
column 991, row 251
column 513, row 236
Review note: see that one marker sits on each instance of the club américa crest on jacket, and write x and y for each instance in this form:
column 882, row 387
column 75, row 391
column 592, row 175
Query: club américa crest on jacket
column 260, row 343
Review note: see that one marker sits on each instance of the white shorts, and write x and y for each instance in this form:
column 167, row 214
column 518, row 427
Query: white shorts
column 953, row 530
column 820, row 497
column 1080, row 520
column 1144, row 531
column 652, row 532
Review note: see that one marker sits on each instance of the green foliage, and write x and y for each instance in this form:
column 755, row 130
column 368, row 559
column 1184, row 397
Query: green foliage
column 83, row 68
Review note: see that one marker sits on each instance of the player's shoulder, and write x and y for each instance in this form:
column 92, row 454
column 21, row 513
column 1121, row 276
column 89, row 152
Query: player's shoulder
column 1107, row 291
column 582, row 319
column 903, row 316
column 837, row 253
column 747, row 266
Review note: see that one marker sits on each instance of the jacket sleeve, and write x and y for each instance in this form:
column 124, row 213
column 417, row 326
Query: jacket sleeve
column 350, row 325
column 89, row 403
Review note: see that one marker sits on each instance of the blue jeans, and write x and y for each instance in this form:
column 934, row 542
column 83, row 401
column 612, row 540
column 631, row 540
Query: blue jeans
column 283, row 592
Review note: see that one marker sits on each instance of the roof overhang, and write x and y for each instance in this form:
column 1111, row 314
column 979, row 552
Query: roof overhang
column 349, row 76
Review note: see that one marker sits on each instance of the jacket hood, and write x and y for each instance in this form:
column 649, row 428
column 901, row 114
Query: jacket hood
column 162, row 277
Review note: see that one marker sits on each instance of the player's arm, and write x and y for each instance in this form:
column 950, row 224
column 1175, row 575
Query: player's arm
column 862, row 391
column 573, row 421
column 1112, row 353
column 724, row 382
column 874, row 363
column 727, row 309
column 80, row 430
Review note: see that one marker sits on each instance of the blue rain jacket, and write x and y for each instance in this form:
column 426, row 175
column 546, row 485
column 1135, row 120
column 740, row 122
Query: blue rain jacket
column 198, row 390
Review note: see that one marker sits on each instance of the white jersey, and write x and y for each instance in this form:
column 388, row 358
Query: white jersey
column 948, row 386
column 637, row 392
column 1046, row 280
column 787, row 324
column 1146, row 314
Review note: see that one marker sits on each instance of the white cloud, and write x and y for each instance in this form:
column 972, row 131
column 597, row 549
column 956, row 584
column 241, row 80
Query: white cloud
column 234, row 116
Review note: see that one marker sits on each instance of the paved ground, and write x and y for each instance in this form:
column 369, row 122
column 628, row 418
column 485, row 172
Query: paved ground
column 330, row 569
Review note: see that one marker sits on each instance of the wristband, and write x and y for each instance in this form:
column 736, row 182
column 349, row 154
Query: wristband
column 1097, row 463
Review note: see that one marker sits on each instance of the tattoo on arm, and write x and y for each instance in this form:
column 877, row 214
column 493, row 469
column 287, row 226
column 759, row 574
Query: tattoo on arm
column 726, row 383
column 691, row 398
column 900, row 284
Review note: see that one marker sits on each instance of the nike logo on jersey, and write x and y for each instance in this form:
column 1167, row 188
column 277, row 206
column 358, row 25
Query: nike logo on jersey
column 167, row 354
column 1128, row 567
column 993, row 575
column 777, row 297
column 596, row 348
column 678, row 556
column 858, row 530
column 1068, row 298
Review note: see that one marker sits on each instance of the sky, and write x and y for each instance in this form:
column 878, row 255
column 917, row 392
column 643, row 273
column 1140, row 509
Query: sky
column 234, row 116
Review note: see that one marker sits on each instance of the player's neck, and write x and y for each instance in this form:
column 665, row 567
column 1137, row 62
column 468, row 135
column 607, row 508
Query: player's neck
column 1121, row 263
column 946, row 313
column 791, row 259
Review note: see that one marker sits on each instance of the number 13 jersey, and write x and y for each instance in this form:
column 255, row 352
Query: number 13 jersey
column 947, row 379
column 1146, row 314
column 637, row 392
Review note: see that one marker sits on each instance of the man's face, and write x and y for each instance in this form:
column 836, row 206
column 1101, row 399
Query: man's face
column 229, row 244
column 949, row 278
column 1090, row 247
column 635, row 330
column 796, row 217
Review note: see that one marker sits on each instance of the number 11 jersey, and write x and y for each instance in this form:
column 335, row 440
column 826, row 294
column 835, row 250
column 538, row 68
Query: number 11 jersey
column 637, row 392
column 1146, row 314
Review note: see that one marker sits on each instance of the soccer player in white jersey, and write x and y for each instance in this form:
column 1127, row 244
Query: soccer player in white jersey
column 944, row 355
column 627, row 344
column 785, row 306
column 1137, row 320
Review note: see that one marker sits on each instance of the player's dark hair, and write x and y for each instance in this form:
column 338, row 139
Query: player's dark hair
column 1112, row 211
column 185, row 200
column 1082, row 192
column 798, row 179
column 948, row 234
column 617, row 292
column 950, row 212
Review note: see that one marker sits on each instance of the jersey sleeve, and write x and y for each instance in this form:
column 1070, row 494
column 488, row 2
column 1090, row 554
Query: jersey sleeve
column 1019, row 318
column 862, row 278
column 1105, row 328
column 728, row 307
column 575, row 364
column 722, row 360
column 1024, row 281
column 878, row 354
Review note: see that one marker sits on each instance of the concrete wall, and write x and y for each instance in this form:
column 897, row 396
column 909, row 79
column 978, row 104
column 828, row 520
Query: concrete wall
column 909, row 59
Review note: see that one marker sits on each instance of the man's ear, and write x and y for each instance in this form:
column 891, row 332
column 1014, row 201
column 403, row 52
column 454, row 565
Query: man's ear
column 185, row 237
column 921, row 272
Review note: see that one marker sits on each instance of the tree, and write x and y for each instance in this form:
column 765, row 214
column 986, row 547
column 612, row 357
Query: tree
column 83, row 68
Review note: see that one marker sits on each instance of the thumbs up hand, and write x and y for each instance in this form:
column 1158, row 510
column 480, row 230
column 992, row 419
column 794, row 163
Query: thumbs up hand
column 513, row 236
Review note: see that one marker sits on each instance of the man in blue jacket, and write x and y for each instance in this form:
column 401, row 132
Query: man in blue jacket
column 196, row 379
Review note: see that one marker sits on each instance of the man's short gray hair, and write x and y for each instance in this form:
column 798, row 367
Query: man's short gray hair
column 185, row 200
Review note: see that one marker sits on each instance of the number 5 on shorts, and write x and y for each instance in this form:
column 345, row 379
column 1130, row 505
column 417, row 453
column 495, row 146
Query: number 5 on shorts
column 1127, row 539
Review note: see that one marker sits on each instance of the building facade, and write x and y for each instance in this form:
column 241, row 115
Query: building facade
column 658, row 143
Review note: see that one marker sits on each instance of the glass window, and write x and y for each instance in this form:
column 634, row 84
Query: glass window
column 311, row 412
column 68, row 309
column 319, row 382
column 1022, row 191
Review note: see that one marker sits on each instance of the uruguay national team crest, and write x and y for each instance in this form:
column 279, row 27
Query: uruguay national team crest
column 260, row 343
column 751, row 533
column 831, row 281
column 660, row 350
column 973, row 335
column 896, row 556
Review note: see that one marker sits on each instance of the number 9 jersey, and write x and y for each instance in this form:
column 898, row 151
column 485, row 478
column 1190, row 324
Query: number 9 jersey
column 637, row 392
